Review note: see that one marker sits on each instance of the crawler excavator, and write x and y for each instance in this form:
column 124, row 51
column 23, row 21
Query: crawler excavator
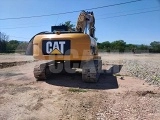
column 67, row 49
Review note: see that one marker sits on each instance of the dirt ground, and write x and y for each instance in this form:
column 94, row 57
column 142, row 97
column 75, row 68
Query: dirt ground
column 66, row 97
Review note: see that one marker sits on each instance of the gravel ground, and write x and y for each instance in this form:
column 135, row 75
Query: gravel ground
column 147, row 70
column 143, row 66
column 116, row 96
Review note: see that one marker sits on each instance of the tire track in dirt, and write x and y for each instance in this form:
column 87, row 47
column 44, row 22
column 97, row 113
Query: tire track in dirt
column 16, row 63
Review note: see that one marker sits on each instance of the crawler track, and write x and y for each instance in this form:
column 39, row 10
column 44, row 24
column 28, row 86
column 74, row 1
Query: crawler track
column 91, row 71
column 41, row 71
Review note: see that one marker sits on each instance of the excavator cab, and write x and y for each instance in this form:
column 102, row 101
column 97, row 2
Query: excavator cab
column 59, row 28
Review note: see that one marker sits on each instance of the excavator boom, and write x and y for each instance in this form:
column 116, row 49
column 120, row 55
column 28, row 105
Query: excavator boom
column 86, row 21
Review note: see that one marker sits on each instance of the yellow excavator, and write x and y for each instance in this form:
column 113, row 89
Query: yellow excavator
column 67, row 50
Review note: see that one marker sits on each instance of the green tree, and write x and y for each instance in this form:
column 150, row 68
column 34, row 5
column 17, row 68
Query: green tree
column 106, row 46
column 70, row 26
column 22, row 46
column 3, row 42
column 12, row 45
column 99, row 45
column 130, row 46
column 144, row 47
column 118, row 45
column 155, row 46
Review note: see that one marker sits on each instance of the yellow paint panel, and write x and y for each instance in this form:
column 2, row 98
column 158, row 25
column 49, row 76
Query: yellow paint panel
column 79, row 48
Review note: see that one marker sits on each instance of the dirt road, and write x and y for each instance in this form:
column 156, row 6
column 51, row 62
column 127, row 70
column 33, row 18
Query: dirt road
column 117, row 96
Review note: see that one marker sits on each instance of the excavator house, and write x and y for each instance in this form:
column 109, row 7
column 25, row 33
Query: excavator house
column 66, row 49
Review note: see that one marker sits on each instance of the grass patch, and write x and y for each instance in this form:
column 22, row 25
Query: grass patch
column 144, row 93
column 76, row 90
column 117, row 75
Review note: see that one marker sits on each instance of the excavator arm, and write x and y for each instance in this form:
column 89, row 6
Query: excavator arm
column 86, row 21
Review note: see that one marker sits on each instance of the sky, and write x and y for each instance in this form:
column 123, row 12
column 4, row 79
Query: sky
column 135, row 23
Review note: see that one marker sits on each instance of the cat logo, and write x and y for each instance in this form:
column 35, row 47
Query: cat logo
column 56, row 51
column 56, row 47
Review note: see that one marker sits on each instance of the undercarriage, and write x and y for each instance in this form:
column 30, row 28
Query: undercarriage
column 90, row 69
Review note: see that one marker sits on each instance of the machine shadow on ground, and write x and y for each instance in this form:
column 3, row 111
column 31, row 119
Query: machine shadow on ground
column 107, row 79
